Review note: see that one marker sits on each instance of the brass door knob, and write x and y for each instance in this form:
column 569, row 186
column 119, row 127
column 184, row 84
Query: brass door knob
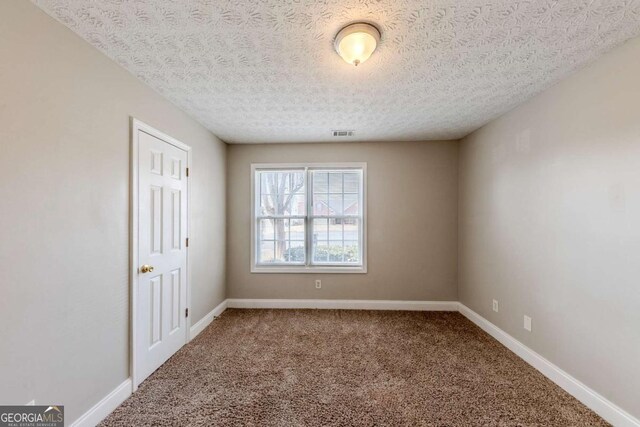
column 146, row 269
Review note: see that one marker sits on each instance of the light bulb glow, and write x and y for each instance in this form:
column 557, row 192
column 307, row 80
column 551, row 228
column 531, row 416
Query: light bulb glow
column 356, row 42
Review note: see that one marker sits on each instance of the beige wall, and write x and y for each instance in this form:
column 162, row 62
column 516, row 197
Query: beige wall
column 550, row 224
column 412, row 222
column 64, row 189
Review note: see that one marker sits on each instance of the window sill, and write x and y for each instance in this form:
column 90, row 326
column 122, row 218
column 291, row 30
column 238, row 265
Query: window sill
column 309, row 269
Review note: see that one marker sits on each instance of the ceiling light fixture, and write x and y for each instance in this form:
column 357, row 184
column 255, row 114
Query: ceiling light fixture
column 356, row 42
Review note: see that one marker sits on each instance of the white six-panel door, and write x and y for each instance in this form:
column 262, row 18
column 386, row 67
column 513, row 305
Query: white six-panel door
column 161, row 285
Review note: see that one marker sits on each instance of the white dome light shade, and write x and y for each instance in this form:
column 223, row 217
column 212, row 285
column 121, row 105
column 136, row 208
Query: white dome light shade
column 356, row 42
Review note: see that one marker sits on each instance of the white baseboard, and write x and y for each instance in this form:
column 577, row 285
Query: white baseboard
column 599, row 404
column 207, row 319
column 100, row 410
column 344, row 304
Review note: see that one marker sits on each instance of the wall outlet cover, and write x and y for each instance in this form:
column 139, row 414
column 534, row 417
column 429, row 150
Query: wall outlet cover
column 527, row 323
column 495, row 306
column 318, row 284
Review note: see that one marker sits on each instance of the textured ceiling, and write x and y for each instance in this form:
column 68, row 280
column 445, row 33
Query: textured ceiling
column 266, row 71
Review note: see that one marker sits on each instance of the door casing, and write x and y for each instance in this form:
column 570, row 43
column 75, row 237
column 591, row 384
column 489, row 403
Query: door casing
column 136, row 127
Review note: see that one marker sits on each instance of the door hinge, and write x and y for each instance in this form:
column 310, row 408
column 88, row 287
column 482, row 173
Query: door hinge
column 187, row 243
column 187, row 171
column 186, row 312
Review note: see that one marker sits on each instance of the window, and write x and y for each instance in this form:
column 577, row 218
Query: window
column 308, row 218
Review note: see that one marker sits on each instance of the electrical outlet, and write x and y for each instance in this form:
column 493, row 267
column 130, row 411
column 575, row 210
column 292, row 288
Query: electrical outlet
column 495, row 305
column 527, row 323
column 318, row 284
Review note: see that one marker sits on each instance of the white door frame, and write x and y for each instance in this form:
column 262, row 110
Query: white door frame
column 137, row 126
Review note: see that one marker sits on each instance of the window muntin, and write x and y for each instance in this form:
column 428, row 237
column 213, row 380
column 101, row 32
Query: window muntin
column 309, row 218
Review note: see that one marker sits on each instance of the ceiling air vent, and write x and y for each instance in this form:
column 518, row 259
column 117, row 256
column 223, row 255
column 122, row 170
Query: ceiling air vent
column 341, row 133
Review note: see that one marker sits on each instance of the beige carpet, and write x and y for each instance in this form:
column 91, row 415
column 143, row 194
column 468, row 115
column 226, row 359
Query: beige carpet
column 347, row 368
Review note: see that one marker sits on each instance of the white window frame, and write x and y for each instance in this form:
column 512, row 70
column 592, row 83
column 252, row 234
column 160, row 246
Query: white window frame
column 307, row 267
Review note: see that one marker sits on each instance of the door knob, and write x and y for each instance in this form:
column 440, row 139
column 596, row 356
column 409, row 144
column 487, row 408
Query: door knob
column 146, row 268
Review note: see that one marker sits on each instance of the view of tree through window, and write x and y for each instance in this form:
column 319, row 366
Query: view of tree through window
column 282, row 213
column 309, row 217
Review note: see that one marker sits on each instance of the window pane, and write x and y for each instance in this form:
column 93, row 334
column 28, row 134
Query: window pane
column 320, row 229
column 292, row 182
column 335, row 229
column 296, row 230
column 352, row 182
column 282, row 241
column 335, row 204
column 351, row 228
column 342, row 196
column 351, row 252
column 351, row 204
column 267, row 204
column 320, row 182
column 283, row 204
column 336, row 241
column 294, row 204
column 295, row 252
column 321, row 204
column 331, row 252
column 335, row 182
column 282, row 193
column 335, row 252
column 320, row 251
column 267, row 229
column 281, row 226
column 266, row 251
column 284, row 182
column 268, row 182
